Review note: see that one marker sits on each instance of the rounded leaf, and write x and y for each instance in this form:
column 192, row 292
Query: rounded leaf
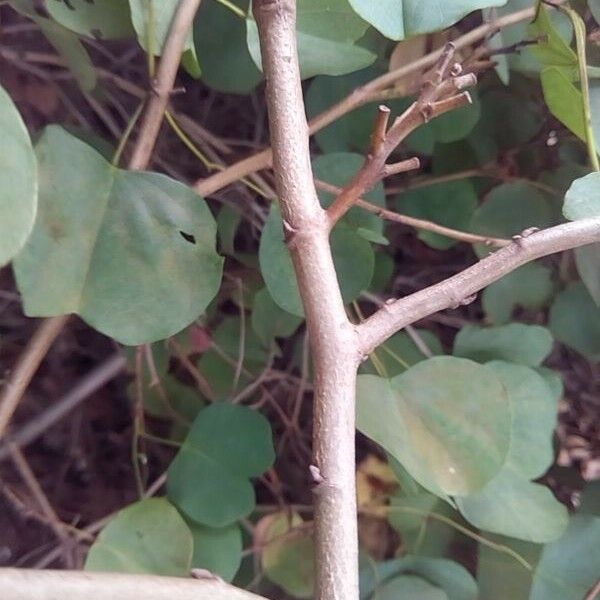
column 518, row 343
column 18, row 181
column 582, row 199
column 446, row 419
column 145, row 537
column 132, row 253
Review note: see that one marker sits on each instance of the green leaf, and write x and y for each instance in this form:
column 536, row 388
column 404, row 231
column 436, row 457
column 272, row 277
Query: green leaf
column 18, row 181
column 209, row 478
column 105, row 20
column 399, row 19
column 575, row 321
column 499, row 575
column 507, row 120
column 587, row 259
column 152, row 21
column 551, row 48
column 523, row 344
column 594, row 6
column 338, row 168
column 564, row 100
column 534, row 413
column 132, row 253
column 269, row 320
column 529, row 287
column 327, row 32
column 569, row 567
column 446, row 419
column 288, row 556
column 451, row 204
column 353, row 257
column 65, row 42
column 513, row 506
column 134, row 541
column 510, row 504
column 448, row 575
column 410, row 586
column 582, row 199
column 217, row 550
column 220, row 38
column 511, row 208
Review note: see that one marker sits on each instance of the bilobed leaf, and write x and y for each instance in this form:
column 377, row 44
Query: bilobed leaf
column 209, row 478
column 133, row 253
column 18, row 181
column 217, row 550
column 529, row 286
column 509, row 504
column 534, row 415
column 569, row 567
column 399, row 19
column 220, row 38
column 145, row 537
column 523, row 344
column 352, row 254
column 288, row 552
column 326, row 34
column 103, row 20
column 575, row 321
column 446, row 419
column 454, row 579
column 451, row 204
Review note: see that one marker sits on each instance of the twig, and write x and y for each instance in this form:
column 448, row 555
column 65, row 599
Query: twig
column 28, row 364
column 384, row 213
column 30, row 480
column 594, row 592
column 29, row 584
column 459, row 289
column 357, row 98
column 163, row 84
column 441, row 93
column 82, row 390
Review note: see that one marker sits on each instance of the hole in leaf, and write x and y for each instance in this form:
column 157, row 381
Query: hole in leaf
column 188, row 237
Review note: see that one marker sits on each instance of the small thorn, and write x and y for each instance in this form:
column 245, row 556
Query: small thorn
column 315, row 473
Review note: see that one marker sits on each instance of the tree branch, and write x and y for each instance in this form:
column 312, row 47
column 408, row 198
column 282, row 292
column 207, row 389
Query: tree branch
column 29, row 584
column 333, row 339
column 360, row 96
column 460, row 288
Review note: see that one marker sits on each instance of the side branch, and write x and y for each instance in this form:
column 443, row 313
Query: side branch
column 459, row 289
column 441, row 92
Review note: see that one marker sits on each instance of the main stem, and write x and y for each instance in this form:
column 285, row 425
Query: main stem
column 333, row 339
